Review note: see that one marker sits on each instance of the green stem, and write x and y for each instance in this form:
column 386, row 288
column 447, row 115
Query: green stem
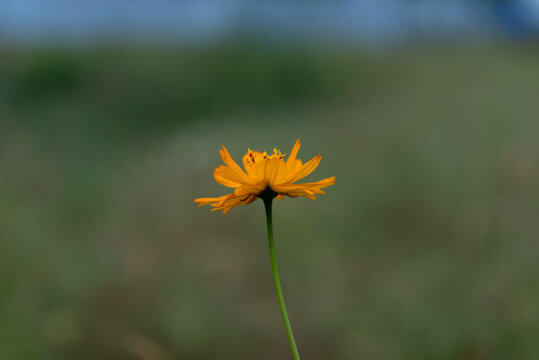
column 267, row 203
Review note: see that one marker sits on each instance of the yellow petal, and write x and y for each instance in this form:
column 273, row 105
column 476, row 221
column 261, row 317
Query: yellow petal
column 233, row 202
column 305, row 169
column 291, row 159
column 248, row 189
column 284, row 188
column 249, row 163
column 321, row 183
column 261, row 167
column 227, row 159
column 308, row 189
column 206, row 201
column 275, row 169
column 281, row 172
column 225, row 176
column 293, row 167
column 302, row 192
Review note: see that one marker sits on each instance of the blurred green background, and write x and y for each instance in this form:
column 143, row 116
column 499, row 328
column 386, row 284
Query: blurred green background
column 426, row 247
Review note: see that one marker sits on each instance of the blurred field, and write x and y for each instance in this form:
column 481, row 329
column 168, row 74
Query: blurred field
column 426, row 248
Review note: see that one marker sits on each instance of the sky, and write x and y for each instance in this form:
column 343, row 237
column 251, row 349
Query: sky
column 364, row 21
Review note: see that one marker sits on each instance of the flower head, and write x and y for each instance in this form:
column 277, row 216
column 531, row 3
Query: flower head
column 264, row 175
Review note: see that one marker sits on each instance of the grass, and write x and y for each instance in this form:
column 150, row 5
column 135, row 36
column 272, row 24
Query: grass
column 424, row 249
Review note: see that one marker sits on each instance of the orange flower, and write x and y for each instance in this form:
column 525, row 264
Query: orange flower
column 264, row 175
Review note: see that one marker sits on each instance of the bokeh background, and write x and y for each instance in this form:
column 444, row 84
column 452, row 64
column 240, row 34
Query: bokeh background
column 111, row 116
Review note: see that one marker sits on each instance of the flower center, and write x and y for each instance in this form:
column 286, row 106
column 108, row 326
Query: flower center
column 267, row 194
column 255, row 157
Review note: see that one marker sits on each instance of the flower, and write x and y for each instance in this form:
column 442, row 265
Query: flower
column 264, row 176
